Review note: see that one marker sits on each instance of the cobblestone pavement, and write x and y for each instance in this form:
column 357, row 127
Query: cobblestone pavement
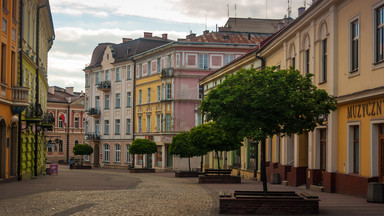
column 104, row 192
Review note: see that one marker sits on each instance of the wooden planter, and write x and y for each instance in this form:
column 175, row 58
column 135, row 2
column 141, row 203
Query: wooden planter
column 142, row 170
column 223, row 179
column 81, row 167
column 276, row 203
column 186, row 174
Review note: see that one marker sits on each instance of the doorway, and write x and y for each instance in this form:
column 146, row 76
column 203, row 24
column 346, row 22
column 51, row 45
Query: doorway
column 381, row 152
column 96, row 155
column 323, row 152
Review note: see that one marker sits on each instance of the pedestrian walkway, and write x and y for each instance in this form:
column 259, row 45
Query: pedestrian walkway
column 117, row 192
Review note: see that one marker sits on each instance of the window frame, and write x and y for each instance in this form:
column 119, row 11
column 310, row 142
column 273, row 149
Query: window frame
column 106, row 153
column 140, row 98
column 203, row 61
column 106, row 102
column 149, row 95
column 118, row 74
column 352, row 70
column 129, row 99
column 129, row 76
column 148, row 126
column 128, row 127
column 106, row 127
column 118, row 101
column 117, row 126
column 168, row 122
column 351, row 148
column 117, row 153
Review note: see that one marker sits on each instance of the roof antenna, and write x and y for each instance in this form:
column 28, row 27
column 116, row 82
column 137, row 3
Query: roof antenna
column 266, row 9
column 206, row 22
column 289, row 10
column 228, row 9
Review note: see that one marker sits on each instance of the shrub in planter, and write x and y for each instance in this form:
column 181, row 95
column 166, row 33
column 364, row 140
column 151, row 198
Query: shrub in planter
column 143, row 146
column 182, row 148
column 82, row 149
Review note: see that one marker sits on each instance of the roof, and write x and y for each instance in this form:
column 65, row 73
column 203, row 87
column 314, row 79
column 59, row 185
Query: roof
column 230, row 37
column 268, row 26
column 125, row 50
column 61, row 95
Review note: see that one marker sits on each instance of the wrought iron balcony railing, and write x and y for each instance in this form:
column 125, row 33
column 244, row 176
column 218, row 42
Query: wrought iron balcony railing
column 48, row 121
column 94, row 112
column 92, row 136
column 104, row 85
column 167, row 72
column 32, row 112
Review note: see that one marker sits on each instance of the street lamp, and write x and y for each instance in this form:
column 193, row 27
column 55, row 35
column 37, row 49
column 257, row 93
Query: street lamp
column 68, row 112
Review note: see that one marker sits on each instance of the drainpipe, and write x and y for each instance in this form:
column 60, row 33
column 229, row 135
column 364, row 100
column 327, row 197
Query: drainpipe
column 21, row 85
column 133, row 107
column 69, row 116
column 37, row 80
column 262, row 59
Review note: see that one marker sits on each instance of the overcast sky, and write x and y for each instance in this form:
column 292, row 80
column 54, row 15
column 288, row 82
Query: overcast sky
column 81, row 25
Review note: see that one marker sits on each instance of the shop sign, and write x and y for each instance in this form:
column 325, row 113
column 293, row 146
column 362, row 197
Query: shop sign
column 372, row 108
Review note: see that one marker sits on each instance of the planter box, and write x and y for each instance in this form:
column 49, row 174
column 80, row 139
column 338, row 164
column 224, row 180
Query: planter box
column 142, row 170
column 276, row 203
column 81, row 167
column 375, row 192
column 223, row 179
column 186, row 174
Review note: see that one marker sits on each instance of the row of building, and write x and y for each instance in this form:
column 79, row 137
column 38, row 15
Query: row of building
column 26, row 37
column 341, row 43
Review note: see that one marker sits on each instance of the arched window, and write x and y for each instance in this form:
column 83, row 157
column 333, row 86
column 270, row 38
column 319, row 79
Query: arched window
column 117, row 153
column 292, row 56
column 323, row 32
column 86, row 157
column 128, row 156
column 76, row 142
column 106, row 153
column 61, row 146
column 306, row 54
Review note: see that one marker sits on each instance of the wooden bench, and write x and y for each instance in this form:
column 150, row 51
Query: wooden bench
column 217, row 172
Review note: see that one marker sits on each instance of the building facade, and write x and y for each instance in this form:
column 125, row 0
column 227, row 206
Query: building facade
column 110, row 99
column 67, row 108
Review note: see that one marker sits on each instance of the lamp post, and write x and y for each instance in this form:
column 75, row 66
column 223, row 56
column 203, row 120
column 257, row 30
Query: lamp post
column 69, row 116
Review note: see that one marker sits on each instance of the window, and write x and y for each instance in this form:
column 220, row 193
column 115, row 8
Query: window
column 158, row 93
column 106, row 127
column 292, row 55
column 14, row 9
column 60, row 123
column 60, row 146
column 169, row 91
column 158, row 120
column 140, row 70
column 159, row 156
column 229, row 58
column 76, row 122
column 149, row 95
column 107, row 76
column 3, row 63
column 139, row 125
column 324, row 60
column 118, row 75
column 203, row 61
column 128, row 99
column 306, row 64
column 86, row 157
column 158, row 65
column 49, row 149
column 97, row 102
column 97, row 78
column 356, row 149
column 353, row 148
column 117, row 126
column 354, row 45
column 106, row 153
column 149, row 68
column 168, row 122
column 117, row 153
column 140, row 97
column 117, row 100
column 86, row 103
column 148, row 123
column 129, row 72
column 293, row 62
column 5, row 4
column 128, row 156
column 97, row 127
column 379, row 40
column 76, row 142
column 128, row 128
column 106, row 102
column 86, row 80
column 86, row 127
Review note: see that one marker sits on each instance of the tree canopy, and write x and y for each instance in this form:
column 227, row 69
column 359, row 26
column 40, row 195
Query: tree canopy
column 181, row 147
column 262, row 103
column 82, row 149
column 143, row 146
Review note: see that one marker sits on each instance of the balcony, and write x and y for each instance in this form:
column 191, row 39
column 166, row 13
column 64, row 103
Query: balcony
column 92, row 136
column 33, row 115
column 95, row 112
column 20, row 98
column 48, row 121
column 104, row 86
column 167, row 72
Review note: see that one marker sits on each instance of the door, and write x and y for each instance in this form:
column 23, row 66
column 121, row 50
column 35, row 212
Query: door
column 149, row 161
column 381, row 152
column 323, row 152
column 96, row 155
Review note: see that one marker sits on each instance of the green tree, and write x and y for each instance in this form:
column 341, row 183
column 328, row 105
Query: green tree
column 258, row 104
column 182, row 148
column 82, row 149
column 210, row 137
column 143, row 146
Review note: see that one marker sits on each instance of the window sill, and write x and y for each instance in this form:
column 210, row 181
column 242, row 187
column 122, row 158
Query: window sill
column 118, row 80
column 128, row 106
column 117, row 133
column 128, row 134
column 106, row 108
column 354, row 73
column 117, row 107
column 322, row 82
column 378, row 65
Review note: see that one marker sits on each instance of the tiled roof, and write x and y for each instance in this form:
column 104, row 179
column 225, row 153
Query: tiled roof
column 254, row 25
column 61, row 95
column 230, row 37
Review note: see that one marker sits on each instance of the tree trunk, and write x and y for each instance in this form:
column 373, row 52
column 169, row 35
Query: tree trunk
column 133, row 161
column 262, row 166
column 218, row 162
column 189, row 164
column 81, row 160
column 142, row 161
column 201, row 163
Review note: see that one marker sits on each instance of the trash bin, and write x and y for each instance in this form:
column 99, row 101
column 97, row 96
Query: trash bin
column 375, row 192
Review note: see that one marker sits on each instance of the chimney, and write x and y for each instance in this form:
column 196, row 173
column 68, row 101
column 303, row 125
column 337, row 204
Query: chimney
column 301, row 10
column 206, row 32
column 51, row 89
column 164, row 36
column 69, row 90
column 126, row 39
column 147, row 34
column 192, row 35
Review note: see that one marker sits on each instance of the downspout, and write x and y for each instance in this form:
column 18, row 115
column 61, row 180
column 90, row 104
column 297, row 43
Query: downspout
column 21, row 85
column 262, row 59
column 133, row 106
column 37, row 81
